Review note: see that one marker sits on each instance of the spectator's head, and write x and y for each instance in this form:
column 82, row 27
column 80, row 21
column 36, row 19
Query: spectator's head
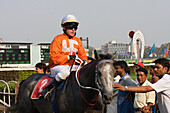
column 161, row 66
column 40, row 68
column 47, row 71
column 153, row 73
column 141, row 75
column 138, row 65
column 121, row 68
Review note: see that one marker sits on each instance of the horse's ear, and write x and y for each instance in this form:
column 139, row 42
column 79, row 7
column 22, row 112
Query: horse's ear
column 114, row 56
column 97, row 57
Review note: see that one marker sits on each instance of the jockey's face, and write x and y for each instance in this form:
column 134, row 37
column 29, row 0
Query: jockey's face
column 71, row 32
column 70, row 29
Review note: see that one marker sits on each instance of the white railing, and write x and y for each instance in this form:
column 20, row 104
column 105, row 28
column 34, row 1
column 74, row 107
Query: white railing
column 6, row 91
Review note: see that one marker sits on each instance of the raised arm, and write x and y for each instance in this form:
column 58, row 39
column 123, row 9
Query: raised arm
column 139, row 89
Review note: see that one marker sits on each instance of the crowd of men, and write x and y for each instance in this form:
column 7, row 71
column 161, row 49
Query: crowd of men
column 142, row 96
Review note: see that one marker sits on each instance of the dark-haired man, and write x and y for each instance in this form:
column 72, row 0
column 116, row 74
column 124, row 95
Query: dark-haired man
column 153, row 73
column 137, row 66
column 40, row 68
column 124, row 99
column 143, row 99
column 162, row 86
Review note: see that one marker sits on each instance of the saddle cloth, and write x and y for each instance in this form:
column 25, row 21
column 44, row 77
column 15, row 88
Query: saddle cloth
column 41, row 84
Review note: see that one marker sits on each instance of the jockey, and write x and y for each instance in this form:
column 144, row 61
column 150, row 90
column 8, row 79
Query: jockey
column 63, row 51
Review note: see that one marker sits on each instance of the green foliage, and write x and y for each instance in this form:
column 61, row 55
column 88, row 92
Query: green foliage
column 132, row 70
column 9, row 75
column 12, row 87
column 24, row 74
column 15, row 75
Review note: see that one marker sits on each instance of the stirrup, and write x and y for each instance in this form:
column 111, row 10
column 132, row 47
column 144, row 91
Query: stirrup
column 48, row 94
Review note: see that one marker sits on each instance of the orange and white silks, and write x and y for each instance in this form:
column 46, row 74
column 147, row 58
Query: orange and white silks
column 61, row 47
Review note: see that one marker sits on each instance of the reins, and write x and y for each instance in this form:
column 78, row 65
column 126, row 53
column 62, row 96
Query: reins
column 84, row 97
column 76, row 75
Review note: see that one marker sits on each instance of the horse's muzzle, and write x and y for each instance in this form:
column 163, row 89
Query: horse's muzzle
column 107, row 98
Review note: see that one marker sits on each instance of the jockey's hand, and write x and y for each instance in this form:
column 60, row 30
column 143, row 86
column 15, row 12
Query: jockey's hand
column 84, row 62
column 72, row 57
column 146, row 109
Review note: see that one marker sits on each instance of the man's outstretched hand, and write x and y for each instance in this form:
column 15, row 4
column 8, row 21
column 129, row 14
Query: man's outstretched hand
column 118, row 87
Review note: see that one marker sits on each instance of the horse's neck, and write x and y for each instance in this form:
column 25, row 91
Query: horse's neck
column 87, row 79
column 87, row 74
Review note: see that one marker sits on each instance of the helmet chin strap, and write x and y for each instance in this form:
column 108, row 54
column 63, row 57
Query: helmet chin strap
column 67, row 34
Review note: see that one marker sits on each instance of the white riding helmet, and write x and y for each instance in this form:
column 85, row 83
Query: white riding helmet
column 69, row 18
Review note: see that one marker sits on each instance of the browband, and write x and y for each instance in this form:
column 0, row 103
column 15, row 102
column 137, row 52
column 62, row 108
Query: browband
column 111, row 61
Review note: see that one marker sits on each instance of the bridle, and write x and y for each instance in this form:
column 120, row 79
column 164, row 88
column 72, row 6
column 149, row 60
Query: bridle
column 97, row 81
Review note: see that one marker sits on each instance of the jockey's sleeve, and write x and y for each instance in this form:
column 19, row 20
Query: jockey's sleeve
column 56, row 54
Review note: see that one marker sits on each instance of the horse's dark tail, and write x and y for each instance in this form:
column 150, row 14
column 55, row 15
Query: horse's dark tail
column 12, row 108
column 3, row 108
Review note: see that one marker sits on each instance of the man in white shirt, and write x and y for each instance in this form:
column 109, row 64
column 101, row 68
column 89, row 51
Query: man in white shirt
column 162, row 86
column 143, row 99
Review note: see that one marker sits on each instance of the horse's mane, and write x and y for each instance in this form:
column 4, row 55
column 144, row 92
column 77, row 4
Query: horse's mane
column 102, row 56
column 105, row 56
column 89, row 64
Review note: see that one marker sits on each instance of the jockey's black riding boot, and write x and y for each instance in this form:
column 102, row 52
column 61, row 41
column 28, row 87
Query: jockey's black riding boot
column 52, row 84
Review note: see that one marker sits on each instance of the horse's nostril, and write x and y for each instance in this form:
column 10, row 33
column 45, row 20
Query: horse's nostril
column 108, row 98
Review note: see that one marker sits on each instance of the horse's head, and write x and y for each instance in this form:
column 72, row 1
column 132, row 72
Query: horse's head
column 104, row 76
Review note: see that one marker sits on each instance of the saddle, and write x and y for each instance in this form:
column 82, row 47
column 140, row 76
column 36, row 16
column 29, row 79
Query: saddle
column 41, row 84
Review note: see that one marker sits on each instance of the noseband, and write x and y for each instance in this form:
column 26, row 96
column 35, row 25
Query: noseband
column 97, row 82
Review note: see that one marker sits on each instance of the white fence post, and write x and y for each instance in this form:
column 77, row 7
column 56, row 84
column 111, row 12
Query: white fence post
column 8, row 104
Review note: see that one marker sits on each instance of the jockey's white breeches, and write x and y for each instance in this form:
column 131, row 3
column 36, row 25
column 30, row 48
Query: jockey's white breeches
column 61, row 72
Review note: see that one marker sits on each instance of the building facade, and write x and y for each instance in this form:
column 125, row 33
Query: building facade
column 122, row 49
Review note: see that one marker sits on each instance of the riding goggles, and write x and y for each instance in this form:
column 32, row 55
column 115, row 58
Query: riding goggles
column 71, row 26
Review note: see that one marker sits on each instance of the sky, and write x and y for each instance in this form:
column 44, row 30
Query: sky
column 101, row 21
